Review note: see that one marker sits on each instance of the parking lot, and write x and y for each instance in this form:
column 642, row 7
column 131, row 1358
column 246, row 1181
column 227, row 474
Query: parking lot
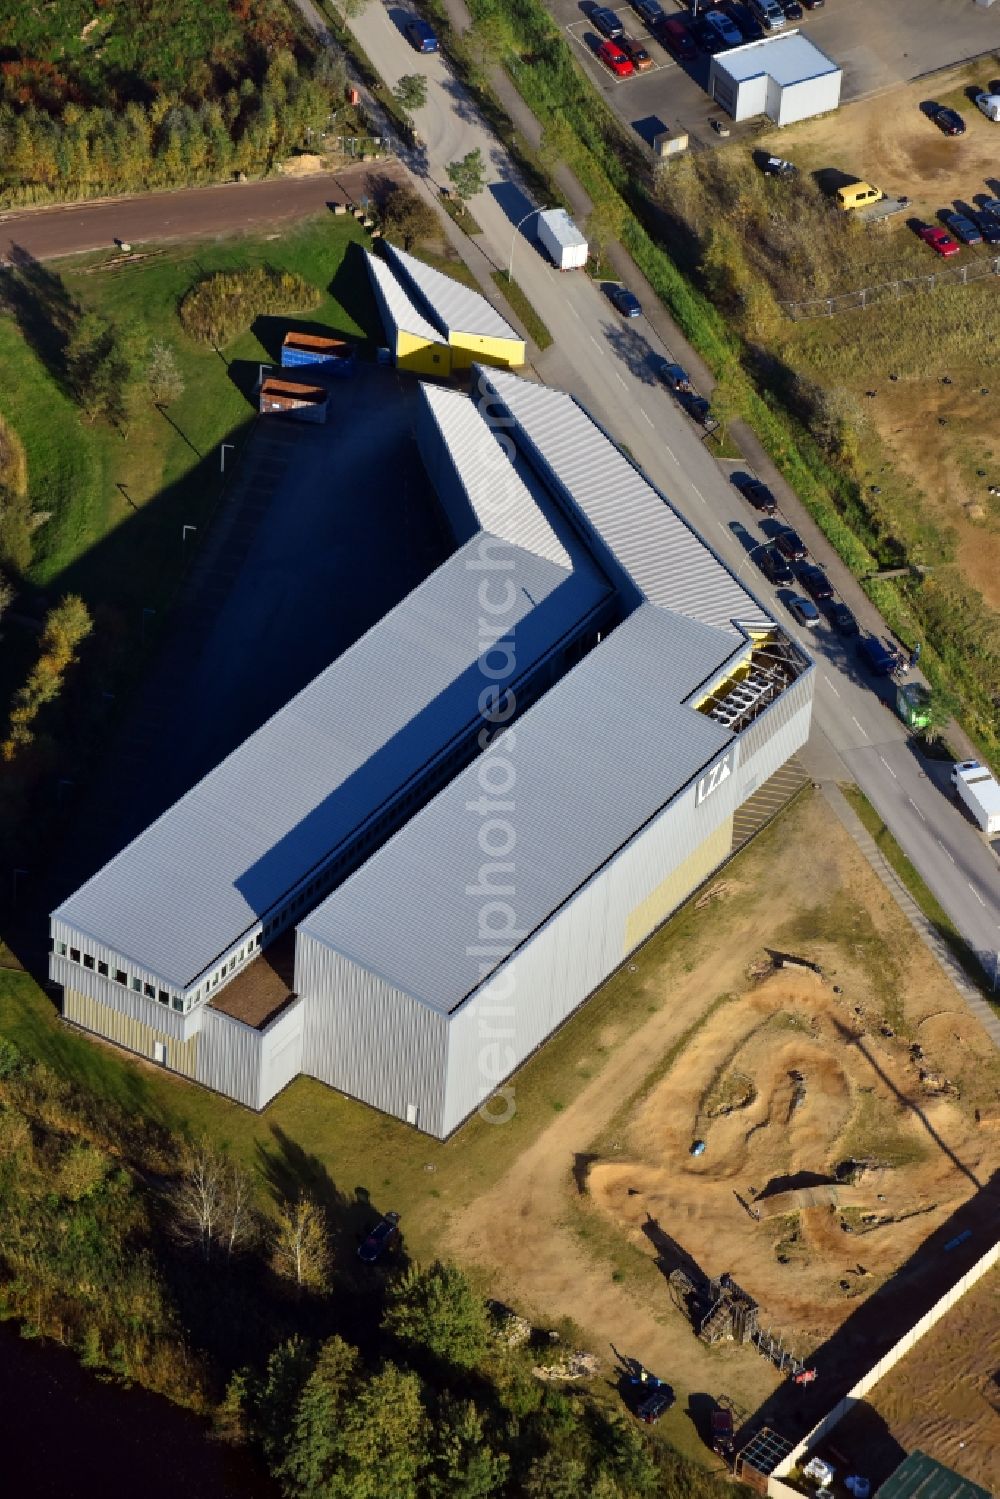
column 878, row 43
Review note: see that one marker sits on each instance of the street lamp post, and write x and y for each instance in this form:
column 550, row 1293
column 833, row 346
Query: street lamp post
column 185, row 530
column 513, row 240
column 222, row 455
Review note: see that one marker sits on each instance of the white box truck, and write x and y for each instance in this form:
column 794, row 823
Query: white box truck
column 562, row 239
column 977, row 790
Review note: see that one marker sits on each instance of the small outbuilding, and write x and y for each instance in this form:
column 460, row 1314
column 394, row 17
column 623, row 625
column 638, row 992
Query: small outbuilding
column 785, row 77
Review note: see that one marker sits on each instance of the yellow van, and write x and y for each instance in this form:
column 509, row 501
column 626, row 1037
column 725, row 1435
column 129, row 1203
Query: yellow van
column 857, row 195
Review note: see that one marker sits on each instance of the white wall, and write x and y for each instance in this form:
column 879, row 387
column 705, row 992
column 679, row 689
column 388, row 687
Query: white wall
column 800, row 101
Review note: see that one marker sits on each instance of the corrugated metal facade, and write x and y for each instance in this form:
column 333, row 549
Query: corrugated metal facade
column 399, row 313
column 247, row 1064
column 368, row 1039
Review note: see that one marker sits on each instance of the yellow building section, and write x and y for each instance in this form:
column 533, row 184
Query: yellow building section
column 678, row 886
column 482, row 348
column 420, row 356
column 135, row 1035
column 724, row 683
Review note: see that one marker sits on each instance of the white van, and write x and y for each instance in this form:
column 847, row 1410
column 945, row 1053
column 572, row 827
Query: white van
column 769, row 13
column 990, row 105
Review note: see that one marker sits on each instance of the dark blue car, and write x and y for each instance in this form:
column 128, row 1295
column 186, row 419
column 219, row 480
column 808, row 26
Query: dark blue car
column 419, row 35
column 626, row 302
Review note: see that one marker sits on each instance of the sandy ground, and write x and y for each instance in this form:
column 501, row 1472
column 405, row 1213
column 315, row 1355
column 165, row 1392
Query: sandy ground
column 803, row 1270
column 888, row 140
column 550, row 1231
column 943, row 1398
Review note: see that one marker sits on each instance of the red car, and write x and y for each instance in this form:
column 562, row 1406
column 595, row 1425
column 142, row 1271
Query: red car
column 612, row 56
column 674, row 35
column 939, row 240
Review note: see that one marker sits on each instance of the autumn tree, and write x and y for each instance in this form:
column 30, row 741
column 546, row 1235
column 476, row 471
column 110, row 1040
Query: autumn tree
column 467, row 175
column 212, row 1203
column 163, row 375
column 66, row 625
column 408, row 216
column 301, row 1245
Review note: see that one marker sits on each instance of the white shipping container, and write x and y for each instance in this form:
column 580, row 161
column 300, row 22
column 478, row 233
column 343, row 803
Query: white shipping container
column 562, row 239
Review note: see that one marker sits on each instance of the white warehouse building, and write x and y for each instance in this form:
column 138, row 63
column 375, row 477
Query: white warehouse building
column 786, row 77
column 471, row 818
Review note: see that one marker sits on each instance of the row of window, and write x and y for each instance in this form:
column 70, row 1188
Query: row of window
column 140, row 986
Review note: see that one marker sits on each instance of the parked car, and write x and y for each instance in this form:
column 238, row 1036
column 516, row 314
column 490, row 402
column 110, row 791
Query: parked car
column 383, row 1237
column 626, row 302
column 673, row 34
column 812, row 4
column 653, row 1407
column 760, row 496
column 815, row 582
column 939, row 240
column 774, row 166
column 722, row 1432
column 650, row 12
column 804, row 610
column 877, row 656
column 774, row 567
column 791, row 545
column 948, row 120
column 989, row 104
column 989, row 228
column 726, row 28
column 419, row 35
column 744, row 19
column 990, row 206
column 612, row 56
column 706, row 37
column 607, row 23
column 792, row 9
column 841, row 618
column 963, row 228
column 636, row 52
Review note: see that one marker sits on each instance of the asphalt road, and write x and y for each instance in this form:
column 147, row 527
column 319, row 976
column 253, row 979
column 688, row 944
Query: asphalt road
column 610, row 365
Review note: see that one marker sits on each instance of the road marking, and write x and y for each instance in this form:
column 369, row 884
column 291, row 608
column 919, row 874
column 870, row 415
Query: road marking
column 593, row 340
column 647, row 416
column 975, row 892
column 698, row 493
column 670, row 452
column 621, row 382
column 948, row 851
column 859, row 726
column 833, row 689
column 916, row 809
column 888, row 766
column 573, row 310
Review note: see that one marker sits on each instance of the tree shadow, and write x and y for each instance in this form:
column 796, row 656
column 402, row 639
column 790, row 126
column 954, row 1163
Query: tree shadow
column 45, row 312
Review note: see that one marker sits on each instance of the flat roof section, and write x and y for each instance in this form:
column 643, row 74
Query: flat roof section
column 408, row 914
column 224, row 855
column 788, row 58
column 262, row 989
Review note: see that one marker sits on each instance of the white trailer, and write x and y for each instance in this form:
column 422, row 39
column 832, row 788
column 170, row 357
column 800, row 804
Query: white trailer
column 978, row 791
column 562, row 239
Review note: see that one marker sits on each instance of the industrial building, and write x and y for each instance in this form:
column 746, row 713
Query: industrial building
column 434, row 324
column 472, row 816
column 786, row 77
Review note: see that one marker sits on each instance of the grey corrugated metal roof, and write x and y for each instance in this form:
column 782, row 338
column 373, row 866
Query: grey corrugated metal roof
column 668, row 562
column 920, row 1477
column 498, row 498
column 458, row 308
column 595, row 758
column 788, row 58
column 394, row 304
column 188, row 887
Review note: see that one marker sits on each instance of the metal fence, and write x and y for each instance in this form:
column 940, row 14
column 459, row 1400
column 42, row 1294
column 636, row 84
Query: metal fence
column 891, row 291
